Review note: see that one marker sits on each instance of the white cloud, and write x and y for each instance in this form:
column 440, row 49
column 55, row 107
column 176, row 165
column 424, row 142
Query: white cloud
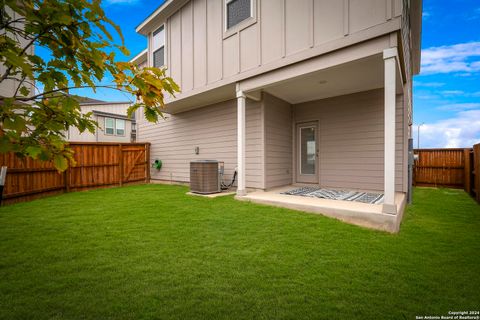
column 476, row 64
column 454, row 58
column 428, row 84
column 459, row 106
column 461, row 131
column 453, row 92
column 474, row 15
column 427, row 96
column 426, row 14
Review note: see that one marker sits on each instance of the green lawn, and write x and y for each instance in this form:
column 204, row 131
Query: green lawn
column 153, row 252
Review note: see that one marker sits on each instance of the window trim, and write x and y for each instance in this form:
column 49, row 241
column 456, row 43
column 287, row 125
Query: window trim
column 227, row 32
column 152, row 34
column 105, row 126
column 124, row 128
column 115, row 127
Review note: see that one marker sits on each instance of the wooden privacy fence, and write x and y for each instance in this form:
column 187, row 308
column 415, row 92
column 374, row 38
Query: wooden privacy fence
column 441, row 167
column 475, row 173
column 97, row 165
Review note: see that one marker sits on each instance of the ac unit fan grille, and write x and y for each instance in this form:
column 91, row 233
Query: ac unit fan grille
column 204, row 177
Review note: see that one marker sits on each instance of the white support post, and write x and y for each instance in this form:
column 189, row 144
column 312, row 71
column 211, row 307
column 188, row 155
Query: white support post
column 241, row 101
column 390, row 56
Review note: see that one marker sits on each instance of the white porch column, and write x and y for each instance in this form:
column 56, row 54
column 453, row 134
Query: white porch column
column 241, row 100
column 389, row 56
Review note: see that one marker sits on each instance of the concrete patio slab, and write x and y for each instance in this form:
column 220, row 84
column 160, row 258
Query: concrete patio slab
column 362, row 214
column 212, row 195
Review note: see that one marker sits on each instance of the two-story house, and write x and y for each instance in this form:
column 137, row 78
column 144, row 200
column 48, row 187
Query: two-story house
column 113, row 123
column 289, row 92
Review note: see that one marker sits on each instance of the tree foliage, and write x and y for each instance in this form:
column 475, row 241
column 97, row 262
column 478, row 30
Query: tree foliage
column 77, row 33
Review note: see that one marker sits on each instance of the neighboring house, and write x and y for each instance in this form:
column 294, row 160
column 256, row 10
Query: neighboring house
column 113, row 123
column 287, row 91
column 8, row 87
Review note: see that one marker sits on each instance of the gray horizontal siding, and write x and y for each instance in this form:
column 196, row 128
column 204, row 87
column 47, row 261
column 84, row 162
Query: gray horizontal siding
column 214, row 130
column 278, row 141
column 351, row 141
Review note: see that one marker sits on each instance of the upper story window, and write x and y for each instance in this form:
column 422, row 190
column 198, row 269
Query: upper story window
column 114, row 127
column 159, row 47
column 237, row 11
column 109, row 126
column 119, row 127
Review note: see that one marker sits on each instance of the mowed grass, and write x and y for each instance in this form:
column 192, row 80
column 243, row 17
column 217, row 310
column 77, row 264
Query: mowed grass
column 151, row 251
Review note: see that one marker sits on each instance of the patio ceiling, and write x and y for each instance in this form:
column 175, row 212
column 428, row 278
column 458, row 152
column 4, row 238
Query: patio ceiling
column 356, row 76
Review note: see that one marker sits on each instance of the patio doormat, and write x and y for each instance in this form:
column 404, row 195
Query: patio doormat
column 316, row 192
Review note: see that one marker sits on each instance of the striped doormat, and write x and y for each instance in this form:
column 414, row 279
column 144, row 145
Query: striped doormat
column 316, row 192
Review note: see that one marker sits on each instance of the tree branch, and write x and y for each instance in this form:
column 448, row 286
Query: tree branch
column 29, row 44
column 67, row 89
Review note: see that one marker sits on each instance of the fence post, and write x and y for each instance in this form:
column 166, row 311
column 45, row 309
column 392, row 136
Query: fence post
column 476, row 171
column 467, row 171
column 120, row 165
column 66, row 178
column 147, row 162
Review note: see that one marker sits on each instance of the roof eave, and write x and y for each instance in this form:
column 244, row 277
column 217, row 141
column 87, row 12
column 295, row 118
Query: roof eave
column 416, row 27
column 140, row 58
column 160, row 14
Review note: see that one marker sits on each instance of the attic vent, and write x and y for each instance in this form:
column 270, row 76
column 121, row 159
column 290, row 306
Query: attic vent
column 237, row 11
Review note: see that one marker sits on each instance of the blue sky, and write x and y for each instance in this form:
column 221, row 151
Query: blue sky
column 446, row 93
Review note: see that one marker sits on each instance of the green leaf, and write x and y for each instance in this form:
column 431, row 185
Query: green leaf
column 15, row 122
column 33, row 151
column 24, row 91
column 60, row 162
column 5, row 145
column 83, row 50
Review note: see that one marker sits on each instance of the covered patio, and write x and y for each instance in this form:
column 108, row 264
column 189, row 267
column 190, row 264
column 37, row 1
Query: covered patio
column 362, row 214
column 363, row 83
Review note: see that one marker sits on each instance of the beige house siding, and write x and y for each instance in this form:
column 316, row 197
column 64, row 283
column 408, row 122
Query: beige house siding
column 278, row 142
column 351, row 140
column 351, row 143
column 312, row 41
column 202, row 55
column 214, row 130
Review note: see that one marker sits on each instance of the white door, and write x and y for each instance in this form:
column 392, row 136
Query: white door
column 307, row 152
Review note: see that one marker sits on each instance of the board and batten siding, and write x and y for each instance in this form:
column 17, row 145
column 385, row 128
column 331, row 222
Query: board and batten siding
column 351, row 140
column 201, row 53
column 214, row 130
column 278, row 141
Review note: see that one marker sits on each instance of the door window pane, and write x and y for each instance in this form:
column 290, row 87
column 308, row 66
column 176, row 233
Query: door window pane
column 308, row 150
